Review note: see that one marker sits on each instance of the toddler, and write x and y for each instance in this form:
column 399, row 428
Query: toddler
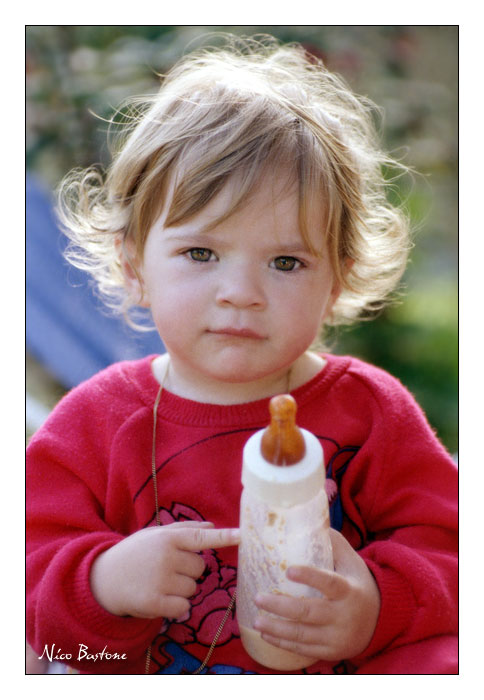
column 245, row 207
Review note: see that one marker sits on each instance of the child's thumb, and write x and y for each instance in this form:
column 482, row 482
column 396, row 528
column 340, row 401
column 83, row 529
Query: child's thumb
column 346, row 560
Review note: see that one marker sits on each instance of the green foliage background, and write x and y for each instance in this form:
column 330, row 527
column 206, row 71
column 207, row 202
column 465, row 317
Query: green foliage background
column 76, row 74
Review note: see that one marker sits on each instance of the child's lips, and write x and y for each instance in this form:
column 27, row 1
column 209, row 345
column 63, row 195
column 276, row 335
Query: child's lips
column 238, row 333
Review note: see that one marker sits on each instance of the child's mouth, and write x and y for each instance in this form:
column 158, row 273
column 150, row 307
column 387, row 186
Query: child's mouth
column 238, row 333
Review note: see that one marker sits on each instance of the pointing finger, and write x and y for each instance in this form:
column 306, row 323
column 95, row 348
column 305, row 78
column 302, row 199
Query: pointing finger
column 189, row 523
column 196, row 539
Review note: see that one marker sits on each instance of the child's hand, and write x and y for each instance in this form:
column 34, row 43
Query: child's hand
column 338, row 626
column 153, row 572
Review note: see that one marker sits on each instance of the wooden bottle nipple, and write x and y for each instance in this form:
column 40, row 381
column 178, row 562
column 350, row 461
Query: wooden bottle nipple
column 282, row 441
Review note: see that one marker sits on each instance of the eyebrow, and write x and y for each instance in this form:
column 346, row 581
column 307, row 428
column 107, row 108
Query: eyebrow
column 293, row 248
column 202, row 239
column 185, row 237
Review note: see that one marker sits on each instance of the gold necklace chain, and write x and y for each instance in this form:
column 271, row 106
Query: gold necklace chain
column 158, row 522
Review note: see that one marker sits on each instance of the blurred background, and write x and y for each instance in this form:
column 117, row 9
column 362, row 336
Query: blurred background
column 78, row 75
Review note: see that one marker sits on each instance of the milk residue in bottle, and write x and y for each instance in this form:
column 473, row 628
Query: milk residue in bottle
column 284, row 521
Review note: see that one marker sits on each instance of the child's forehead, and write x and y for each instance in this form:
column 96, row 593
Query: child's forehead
column 271, row 207
column 273, row 195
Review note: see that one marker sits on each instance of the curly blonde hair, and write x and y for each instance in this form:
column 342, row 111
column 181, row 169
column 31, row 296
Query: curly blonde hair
column 236, row 110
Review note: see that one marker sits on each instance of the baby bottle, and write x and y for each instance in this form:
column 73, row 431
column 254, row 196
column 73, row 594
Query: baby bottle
column 284, row 521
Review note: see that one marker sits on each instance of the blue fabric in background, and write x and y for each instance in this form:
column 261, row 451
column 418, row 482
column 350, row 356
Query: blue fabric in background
column 69, row 330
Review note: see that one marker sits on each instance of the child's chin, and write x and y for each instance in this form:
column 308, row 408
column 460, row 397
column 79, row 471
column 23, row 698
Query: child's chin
column 241, row 376
column 232, row 372
column 234, row 377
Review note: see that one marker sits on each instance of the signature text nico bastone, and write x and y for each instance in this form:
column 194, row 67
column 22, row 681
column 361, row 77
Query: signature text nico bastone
column 53, row 654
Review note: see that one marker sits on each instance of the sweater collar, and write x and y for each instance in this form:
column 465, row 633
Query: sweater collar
column 175, row 409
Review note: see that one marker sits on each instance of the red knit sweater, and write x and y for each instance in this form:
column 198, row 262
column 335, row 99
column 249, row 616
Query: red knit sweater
column 393, row 491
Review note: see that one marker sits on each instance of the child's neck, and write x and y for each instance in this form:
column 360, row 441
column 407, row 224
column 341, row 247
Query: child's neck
column 207, row 391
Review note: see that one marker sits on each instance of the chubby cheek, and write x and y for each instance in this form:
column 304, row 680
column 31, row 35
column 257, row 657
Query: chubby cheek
column 174, row 313
column 180, row 313
column 304, row 313
column 170, row 293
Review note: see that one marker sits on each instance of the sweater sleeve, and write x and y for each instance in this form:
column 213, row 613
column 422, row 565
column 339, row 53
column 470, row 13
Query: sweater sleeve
column 407, row 508
column 66, row 481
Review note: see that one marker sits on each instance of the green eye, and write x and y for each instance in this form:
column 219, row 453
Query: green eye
column 200, row 254
column 286, row 263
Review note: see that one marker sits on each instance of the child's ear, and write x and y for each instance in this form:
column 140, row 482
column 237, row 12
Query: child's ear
column 131, row 269
column 336, row 290
column 338, row 287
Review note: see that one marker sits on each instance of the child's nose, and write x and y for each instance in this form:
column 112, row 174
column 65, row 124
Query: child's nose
column 241, row 287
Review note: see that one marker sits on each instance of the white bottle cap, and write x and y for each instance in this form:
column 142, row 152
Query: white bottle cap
column 283, row 486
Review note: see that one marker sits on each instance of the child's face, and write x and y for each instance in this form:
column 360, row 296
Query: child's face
column 241, row 302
